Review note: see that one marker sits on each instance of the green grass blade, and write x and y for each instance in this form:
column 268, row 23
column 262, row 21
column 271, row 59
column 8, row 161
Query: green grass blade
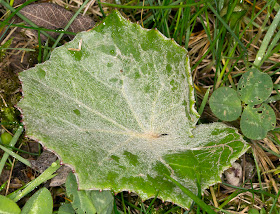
column 46, row 175
column 101, row 9
column 15, row 155
column 196, row 199
column 12, row 143
column 274, row 138
column 273, row 99
column 68, row 25
column 177, row 21
column 153, row 7
column 222, row 42
column 270, row 51
column 20, row 150
column 6, row 30
column 227, row 27
column 45, row 52
column 219, row 79
column 229, row 198
column 252, row 190
column 19, row 49
column 188, row 23
column 152, row 202
column 39, row 28
column 204, row 101
column 172, row 210
column 270, row 151
column 115, row 207
column 123, row 203
column 258, row 172
column 40, row 47
column 15, row 10
column 274, row 202
column 198, row 184
column 5, row 4
column 212, row 45
column 260, row 55
column 207, row 30
column 186, row 31
column 163, row 18
column 129, row 204
column 3, row 186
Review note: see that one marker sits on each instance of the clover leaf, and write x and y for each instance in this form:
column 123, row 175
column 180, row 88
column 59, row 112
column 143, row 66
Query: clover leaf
column 257, row 121
column 254, row 87
column 225, row 104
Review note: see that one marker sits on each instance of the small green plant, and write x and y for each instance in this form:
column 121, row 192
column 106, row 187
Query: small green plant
column 254, row 88
column 6, row 138
column 86, row 201
column 255, row 211
column 272, row 210
column 41, row 202
column 90, row 201
column 253, row 91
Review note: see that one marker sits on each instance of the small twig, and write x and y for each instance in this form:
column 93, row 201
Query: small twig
column 10, row 176
column 142, row 14
column 214, row 197
column 79, row 47
column 3, row 101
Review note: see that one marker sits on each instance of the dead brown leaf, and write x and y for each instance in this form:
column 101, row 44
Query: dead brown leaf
column 55, row 17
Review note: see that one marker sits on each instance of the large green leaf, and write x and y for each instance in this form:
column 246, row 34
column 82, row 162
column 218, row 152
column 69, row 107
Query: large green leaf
column 120, row 111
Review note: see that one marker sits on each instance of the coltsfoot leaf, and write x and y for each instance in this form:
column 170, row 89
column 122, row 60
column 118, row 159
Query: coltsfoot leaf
column 117, row 104
column 225, row 104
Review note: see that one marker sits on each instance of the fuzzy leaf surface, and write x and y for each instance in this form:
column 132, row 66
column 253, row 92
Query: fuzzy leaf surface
column 117, row 105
